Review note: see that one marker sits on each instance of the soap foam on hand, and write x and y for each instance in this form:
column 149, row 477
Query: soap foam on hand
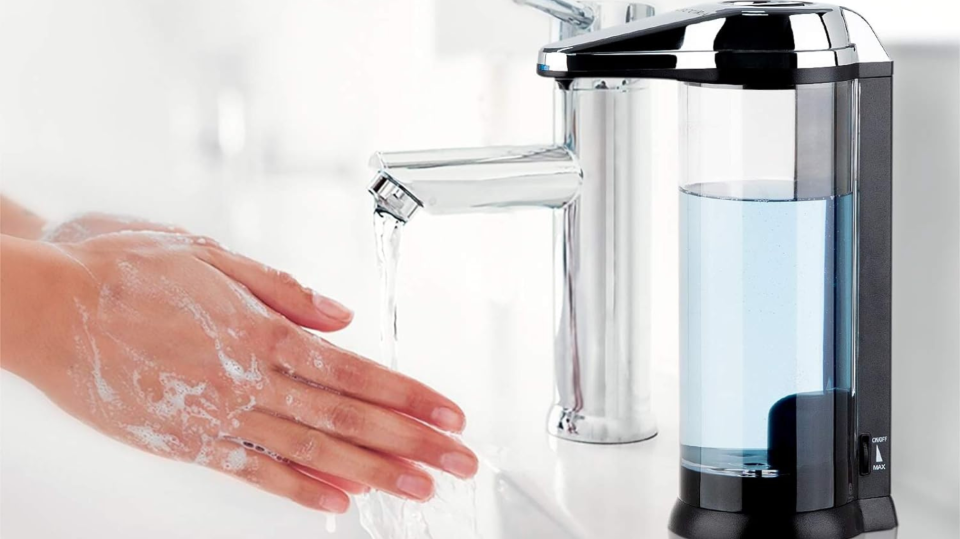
column 150, row 399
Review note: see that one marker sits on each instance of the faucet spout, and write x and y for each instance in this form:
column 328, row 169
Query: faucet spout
column 474, row 179
column 392, row 198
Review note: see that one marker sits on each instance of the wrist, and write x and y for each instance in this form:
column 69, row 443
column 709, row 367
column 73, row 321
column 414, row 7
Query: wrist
column 37, row 284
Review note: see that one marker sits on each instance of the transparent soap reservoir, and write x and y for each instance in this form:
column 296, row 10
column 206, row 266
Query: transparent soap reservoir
column 767, row 296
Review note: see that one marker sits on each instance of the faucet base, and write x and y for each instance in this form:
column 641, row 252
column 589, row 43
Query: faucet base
column 576, row 426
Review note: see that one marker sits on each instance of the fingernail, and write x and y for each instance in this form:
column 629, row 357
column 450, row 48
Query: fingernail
column 334, row 504
column 459, row 464
column 415, row 486
column 331, row 309
column 447, row 419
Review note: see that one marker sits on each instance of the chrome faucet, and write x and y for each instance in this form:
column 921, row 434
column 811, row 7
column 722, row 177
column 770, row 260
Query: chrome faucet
column 597, row 176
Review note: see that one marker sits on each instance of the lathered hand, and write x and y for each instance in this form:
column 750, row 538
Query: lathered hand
column 90, row 225
column 171, row 343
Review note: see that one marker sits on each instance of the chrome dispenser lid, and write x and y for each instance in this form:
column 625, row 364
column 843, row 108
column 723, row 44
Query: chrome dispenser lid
column 758, row 43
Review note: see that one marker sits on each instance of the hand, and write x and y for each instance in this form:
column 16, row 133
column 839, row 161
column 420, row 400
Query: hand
column 182, row 348
column 90, row 225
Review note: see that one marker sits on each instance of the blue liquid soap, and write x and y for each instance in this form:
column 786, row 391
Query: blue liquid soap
column 766, row 328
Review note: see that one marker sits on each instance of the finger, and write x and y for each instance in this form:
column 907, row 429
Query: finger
column 345, row 485
column 369, row 426
column 350, row 487
column 276, row 477
column 324, row 453
column 281, row 291
column 315, row 360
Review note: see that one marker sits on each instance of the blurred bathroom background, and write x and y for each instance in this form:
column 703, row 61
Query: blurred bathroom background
column 253, row 121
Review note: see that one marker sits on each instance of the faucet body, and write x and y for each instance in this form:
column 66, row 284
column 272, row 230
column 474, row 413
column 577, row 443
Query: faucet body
column 602, row 261
column 597, row 177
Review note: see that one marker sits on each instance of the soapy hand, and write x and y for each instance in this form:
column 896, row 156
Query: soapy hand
column 175, row 345
column 89, row 225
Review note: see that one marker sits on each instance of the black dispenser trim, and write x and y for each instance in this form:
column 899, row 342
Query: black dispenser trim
column 741, row 74
column 844, row 522
column 875, row 210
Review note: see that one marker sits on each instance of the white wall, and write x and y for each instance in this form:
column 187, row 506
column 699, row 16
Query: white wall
column 926, row 297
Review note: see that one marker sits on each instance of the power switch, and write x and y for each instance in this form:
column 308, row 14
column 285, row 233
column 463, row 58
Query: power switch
column 866, row 451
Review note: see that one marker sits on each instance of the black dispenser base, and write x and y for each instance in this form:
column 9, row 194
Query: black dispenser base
column 844, row 522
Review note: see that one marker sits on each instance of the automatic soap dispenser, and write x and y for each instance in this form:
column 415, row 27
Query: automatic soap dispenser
column 785, row 260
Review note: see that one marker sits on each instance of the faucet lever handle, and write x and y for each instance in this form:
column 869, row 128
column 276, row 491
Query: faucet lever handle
column 569, row 11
